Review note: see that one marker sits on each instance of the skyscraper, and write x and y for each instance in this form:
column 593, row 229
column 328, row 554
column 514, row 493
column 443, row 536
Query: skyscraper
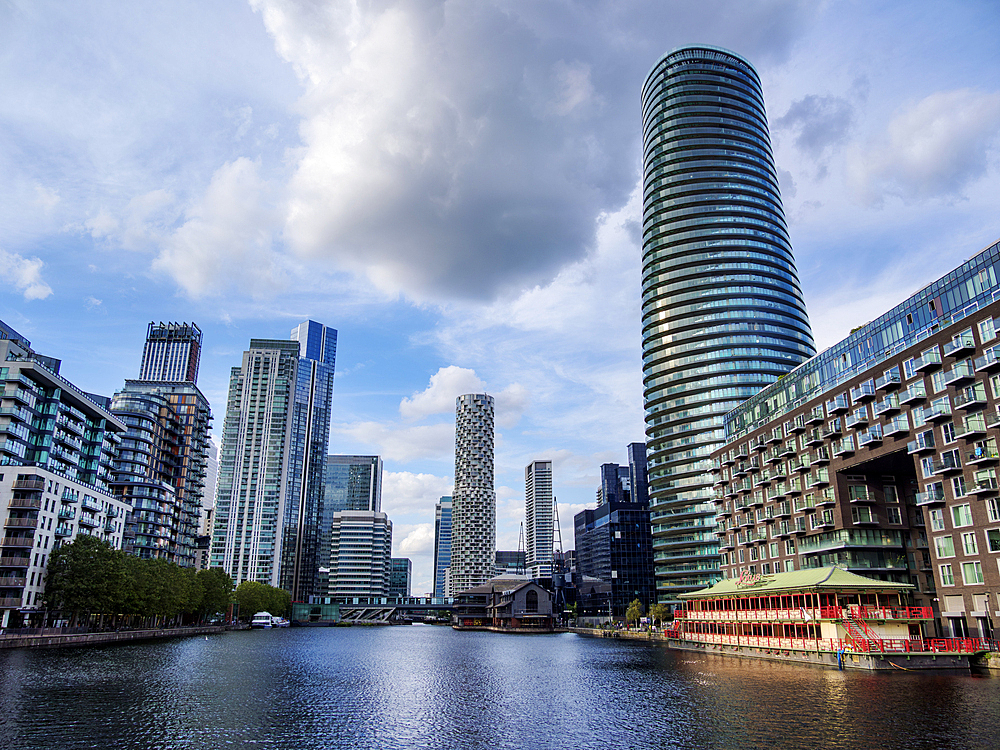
column 352, row 483
column 538, row 529
column 172, row 352
column 442, row 543
column 360, row 554
column 474, row 501
column 722, row 312
column 269, row 505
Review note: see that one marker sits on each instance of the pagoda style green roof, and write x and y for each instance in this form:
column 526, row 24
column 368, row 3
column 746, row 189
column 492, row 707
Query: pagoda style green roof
column 813, row 579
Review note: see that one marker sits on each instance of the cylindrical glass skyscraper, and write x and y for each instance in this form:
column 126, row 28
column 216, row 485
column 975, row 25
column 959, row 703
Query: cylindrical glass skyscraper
column 722, row 310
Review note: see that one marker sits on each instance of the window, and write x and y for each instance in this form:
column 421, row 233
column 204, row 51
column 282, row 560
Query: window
column 891, row 493
column 993, row 540
column 789, row 566
column 774, row 549
column 789, row 546
column 961, row 515
column 947, row 577
column 742, row 556
column 948, row 432
column 908, row 370
column 944, row 546
column 969, row 546
column 863, row 515
column 958, row 487
column 987, row 331
column 993, row 509
column 766, row 569
column 937, row 382
column 972, row 572
column 927, row 466
column 893, row 515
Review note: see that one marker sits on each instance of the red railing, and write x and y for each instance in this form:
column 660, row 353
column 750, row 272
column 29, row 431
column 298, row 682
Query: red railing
column 799, row 614
column 848, row 645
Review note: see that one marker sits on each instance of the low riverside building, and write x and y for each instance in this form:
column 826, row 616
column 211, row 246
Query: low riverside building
column 880, row 455
column 504, row 604
column 57, row 445
column 818, row 616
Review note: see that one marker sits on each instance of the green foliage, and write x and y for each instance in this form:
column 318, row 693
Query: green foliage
column 254, row 597
column 659, row 612
column 634, row 611
column 88, row 575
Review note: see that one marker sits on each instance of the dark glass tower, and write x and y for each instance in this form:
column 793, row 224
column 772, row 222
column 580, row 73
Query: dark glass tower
column 722, row 311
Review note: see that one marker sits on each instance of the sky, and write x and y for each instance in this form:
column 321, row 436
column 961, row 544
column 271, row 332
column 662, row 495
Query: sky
column 455, row 187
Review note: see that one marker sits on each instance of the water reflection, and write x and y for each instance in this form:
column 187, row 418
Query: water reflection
column 425, row 687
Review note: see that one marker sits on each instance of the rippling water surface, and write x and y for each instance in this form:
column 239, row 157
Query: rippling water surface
column 431, row 687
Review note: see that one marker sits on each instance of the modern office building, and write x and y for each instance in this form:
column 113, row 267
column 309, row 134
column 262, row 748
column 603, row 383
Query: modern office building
column 474, row 501
column 880, row 455
column 510, row 563
column 638, row 475
column 442, row 544
column 722, row 311
column 57, row 447
column 615, row 485
column 172, row 353
column 352, row 483
column 401, row 571
column 538, row 518
column 269, row 504
column 360, row 554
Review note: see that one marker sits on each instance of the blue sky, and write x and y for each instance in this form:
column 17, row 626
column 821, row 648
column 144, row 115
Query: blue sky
column 454, row 187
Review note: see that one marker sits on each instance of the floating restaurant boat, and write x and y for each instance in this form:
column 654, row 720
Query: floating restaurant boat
column 826, row 616
column 262, row 620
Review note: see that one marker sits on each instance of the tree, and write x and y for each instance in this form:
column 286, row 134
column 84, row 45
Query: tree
column 634, row 611
column 86, row 575
column 216, row 591
column 659, row 612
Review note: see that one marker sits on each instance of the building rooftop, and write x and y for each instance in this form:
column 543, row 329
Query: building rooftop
column 813, row 579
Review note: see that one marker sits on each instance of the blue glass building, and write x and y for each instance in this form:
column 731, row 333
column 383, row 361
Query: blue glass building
column 722, row 310
column 442, row 543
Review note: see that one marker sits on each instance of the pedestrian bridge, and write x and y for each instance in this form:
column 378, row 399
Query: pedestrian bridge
column 384, row 609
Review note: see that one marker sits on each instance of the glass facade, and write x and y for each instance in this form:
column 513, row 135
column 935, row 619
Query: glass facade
column 442, row 543
column 722, row 310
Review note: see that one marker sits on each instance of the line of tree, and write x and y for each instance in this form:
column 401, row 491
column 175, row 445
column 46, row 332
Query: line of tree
column 88, row 578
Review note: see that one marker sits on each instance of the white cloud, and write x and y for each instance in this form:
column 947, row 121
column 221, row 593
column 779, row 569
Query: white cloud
column 935, row 148
column 408, row 492
column 419, row 540
column 227, row 237
column 24, row 274
column 439, row 397
column 402, row 444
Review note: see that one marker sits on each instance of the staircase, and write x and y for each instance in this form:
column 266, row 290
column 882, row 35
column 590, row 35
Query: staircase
column 864, row 638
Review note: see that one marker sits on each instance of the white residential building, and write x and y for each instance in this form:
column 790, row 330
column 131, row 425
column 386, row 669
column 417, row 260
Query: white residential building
column 538, row 518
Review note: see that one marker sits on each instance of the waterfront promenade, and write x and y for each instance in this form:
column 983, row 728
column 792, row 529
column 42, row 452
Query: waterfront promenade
column 67, row 637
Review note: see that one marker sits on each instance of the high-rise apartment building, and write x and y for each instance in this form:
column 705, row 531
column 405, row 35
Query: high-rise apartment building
column 538, row 518
column 57, row 447
column 722, row 312
column 474, row 501
column 442, row 543
column 269, row 504
column 172, row 352
column 360, row 554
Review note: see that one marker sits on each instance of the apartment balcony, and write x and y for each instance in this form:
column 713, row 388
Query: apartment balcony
column 818, row 478
column 813, row 437
column 971, row 397
column 778, row 472
column 782, row 530
column 863, row 392
column 758, row 444
column 946, row 465
column 960, row 373
column 888, row 381
column 777, row 492
column 68, row 496
column 982, row 456
column 899, row 425
column 800, row 463
column 869, row 519
column 923, row 444
column 725, row 545
column 788, row 449
column 16, row 413
column 25, row 502
column 820, row 457
column 930, row 498
column 90, row 504
column 89, row 522
column 815, row 416
column 930, row 360
column 938, row 409
column 741, row 469
column 109, row 527
column 725, row 511
column 972, row 427
column 824, row 522
column 762, row 480
column 870, row 437
column 746, row 521
column 832, row 429
column 772, row 455
column 716, row 466
column 960, row 345
column 67, row 513
column 727, row 459
column 10, row 602
column 29, row 484
column 988, row 362
column 844, row 447
column 756, row 500
column 826, row 499
column 805, row 504
column 14, row 561
column 796, row 425
column 21, row 523
column 11, row 542
column 741, row 453
column 838, row 405
column 12, row 582
column 775, row 436
column 794, row 486
column 858, row 494
column 916, row 392
column 887, row 405
column 64, row 530
column 986, row 486
column 857, row 418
